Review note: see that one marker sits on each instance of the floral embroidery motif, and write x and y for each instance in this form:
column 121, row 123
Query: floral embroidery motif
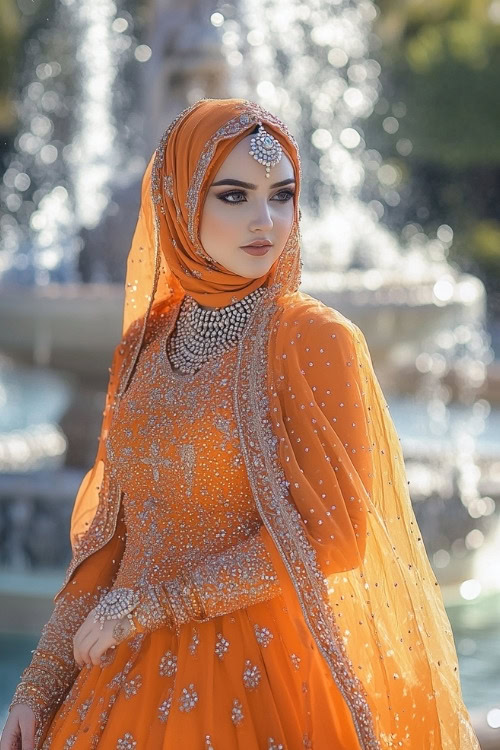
column 188, row 698
column 120, row 677
column 126, row 742
column 168, row 664
column 133, row 686
column 84, row 707
column 237, row 715
column 273, row 746
column 155, row 461
column 251, row 675
column 263, row 635
column 136, row 641
column 164, row 708
column 295, row 660
column 221, row 646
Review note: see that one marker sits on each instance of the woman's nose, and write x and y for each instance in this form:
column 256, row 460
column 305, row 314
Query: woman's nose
column 262, row 219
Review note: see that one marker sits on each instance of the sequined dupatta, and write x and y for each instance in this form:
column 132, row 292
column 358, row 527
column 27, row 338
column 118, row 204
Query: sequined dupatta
column 327, row 473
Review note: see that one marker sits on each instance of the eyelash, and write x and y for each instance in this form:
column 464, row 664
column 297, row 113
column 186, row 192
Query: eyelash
column 223, row 196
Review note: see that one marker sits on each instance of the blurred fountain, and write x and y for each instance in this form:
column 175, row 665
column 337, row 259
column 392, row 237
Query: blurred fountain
column 66, row 152
column 57, row 186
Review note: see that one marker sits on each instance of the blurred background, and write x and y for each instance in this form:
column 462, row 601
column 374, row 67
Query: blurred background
column 395, row 105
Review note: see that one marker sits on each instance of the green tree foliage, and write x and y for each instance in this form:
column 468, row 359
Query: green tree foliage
column 18, row 19
column 442, row 59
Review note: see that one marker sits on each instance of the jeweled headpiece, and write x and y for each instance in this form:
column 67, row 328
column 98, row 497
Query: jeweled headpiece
column 266, row 149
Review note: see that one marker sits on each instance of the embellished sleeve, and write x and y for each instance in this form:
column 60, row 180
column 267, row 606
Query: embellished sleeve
column 324, row 435
column 52, row 670
column 238, row 577
column 337, row 387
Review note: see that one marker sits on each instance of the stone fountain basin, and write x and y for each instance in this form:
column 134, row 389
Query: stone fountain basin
column 72, row 327
column 32, row 401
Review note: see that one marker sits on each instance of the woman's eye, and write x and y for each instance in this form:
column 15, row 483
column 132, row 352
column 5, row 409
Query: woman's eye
column 284, row 195
column 238, row 196
column 233, row 197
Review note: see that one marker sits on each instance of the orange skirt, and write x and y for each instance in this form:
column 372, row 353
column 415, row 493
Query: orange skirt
column 251, row 680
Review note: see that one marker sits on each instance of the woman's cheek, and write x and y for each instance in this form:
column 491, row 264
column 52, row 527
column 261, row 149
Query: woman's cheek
column 213, row 224
column 284, row 220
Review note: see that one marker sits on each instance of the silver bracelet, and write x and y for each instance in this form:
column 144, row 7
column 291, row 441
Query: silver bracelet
column 116, row 604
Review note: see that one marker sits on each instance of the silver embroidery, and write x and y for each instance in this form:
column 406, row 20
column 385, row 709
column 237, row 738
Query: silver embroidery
column 164, row 708
column 188, row 698
column 156, row 460
column 251, row 675
column 126, row 742
column 188, row 458
column 168, row 664
column 237, row 715
column 221, row 646
column 195, row 640
column 168, row 186
column 83, row 708
column 263, row 635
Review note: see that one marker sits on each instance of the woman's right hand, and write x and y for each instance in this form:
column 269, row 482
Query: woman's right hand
column 19, row 730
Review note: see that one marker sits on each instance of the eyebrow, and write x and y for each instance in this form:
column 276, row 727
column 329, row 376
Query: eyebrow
column 250, row 185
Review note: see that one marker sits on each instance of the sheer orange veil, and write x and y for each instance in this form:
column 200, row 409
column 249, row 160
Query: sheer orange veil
column 321, row 451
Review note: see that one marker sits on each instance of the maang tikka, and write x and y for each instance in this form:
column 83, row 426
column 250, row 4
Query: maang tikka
column 265, row 149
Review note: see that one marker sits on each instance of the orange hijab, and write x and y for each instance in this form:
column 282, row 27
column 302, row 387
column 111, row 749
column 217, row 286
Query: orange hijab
column 322, row 455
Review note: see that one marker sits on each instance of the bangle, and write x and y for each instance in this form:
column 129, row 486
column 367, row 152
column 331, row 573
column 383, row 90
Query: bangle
column 116, row 604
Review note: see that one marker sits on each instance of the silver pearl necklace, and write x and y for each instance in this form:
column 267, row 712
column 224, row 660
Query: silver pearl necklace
column 201, row 334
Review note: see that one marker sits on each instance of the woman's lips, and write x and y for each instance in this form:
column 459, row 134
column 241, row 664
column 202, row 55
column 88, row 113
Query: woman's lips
column 256, row 249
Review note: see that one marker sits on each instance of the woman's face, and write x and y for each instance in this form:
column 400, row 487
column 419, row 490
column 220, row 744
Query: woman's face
column 242, row 207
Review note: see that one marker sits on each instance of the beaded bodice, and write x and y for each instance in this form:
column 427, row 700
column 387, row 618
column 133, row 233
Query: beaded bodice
column 174, row 449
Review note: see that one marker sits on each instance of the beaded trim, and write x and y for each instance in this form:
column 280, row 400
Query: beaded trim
column 159, row 159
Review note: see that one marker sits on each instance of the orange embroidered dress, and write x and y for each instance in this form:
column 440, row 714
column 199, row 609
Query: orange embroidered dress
column 250, row 677
column 263, row 501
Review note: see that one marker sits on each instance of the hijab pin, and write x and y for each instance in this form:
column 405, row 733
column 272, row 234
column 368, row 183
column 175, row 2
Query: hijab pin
column 265, row 149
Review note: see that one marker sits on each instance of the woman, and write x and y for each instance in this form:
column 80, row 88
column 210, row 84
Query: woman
column 247, row 569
